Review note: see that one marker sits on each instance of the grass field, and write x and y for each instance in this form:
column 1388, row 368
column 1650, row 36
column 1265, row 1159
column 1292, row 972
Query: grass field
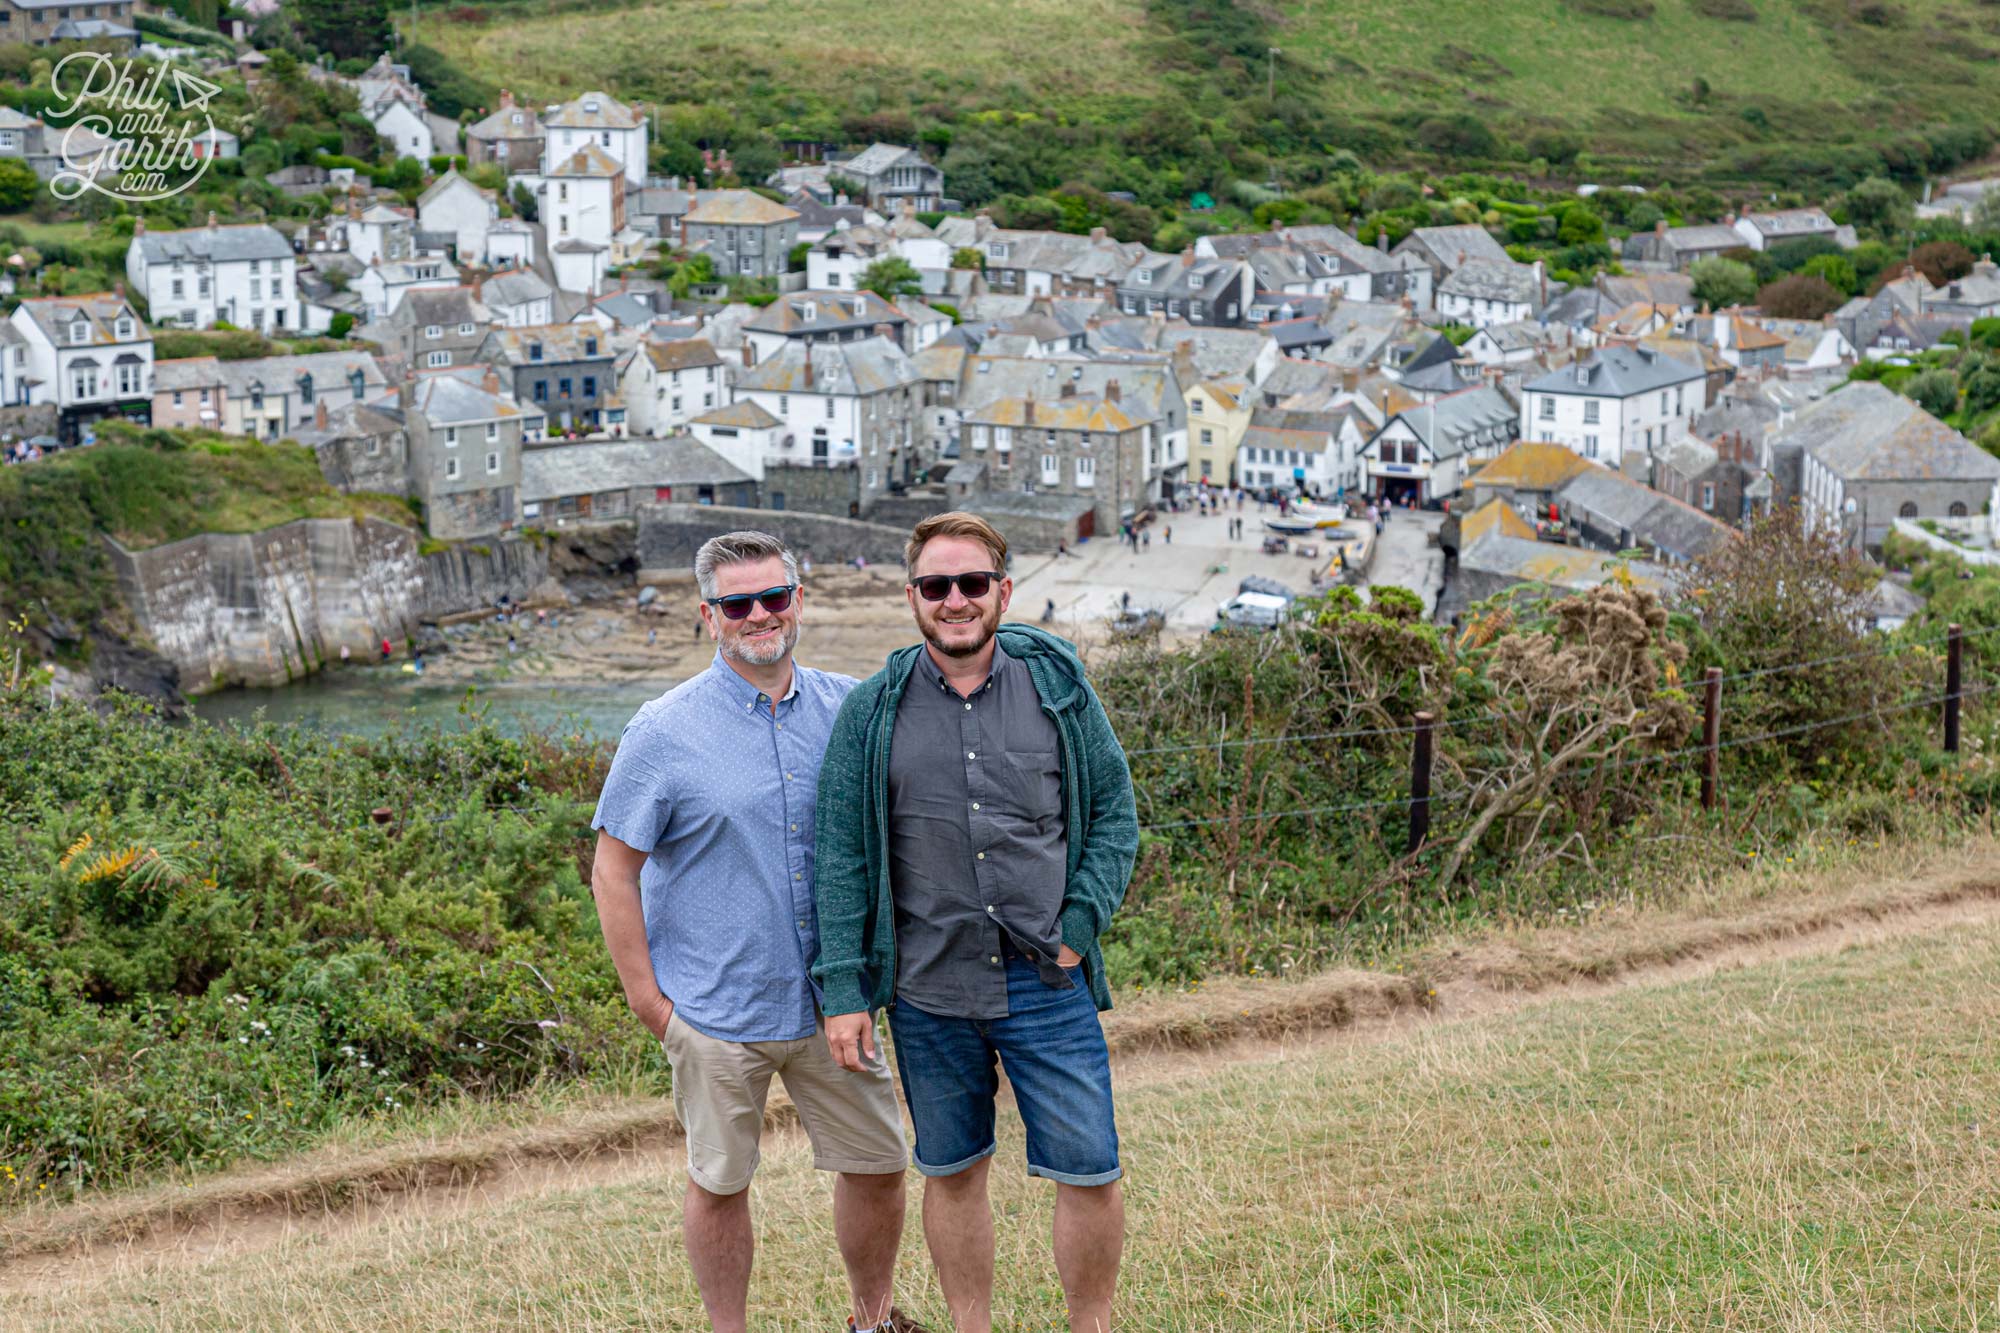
column 1795, row 1145
column 1807, row 72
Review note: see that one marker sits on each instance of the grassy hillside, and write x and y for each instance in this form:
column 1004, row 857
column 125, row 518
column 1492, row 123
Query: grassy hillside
column 1778, row 91
column 1788, row 1145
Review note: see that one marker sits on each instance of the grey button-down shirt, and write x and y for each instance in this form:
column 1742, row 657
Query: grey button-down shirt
column 978, row 845
column 718, row 789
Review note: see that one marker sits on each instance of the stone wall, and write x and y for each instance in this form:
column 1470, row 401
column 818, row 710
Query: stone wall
column 818, row 490
column 670, row 534
column 268, row 607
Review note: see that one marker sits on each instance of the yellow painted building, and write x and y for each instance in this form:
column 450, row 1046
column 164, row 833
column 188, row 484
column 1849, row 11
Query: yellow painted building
column 1218, row 415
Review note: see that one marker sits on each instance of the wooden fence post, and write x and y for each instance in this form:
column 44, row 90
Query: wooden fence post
column 1711, row 737
column 1420, row 782
column 1954, row 658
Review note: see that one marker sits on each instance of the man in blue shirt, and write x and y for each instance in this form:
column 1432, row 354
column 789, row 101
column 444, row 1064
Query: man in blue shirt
column 704, row 886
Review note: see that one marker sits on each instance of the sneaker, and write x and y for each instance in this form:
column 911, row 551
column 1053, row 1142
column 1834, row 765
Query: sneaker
column 897, row 1322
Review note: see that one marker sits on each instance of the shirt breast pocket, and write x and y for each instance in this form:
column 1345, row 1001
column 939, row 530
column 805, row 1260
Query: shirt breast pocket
column 1032, row 784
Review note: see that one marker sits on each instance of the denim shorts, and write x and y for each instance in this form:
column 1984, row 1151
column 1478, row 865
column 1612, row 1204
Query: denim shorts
column 1052, row 1046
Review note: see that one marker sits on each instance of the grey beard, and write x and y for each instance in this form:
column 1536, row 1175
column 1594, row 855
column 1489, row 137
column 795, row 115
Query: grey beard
column 763, row 654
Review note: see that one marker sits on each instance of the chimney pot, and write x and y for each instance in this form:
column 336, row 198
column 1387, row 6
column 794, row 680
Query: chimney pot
column 749, row 354
column 319, row 414
column 1187, row 257
column 211, row 219
column 1028, row 411
column 1068, row 390
column 809, row 366
column 138, row 226
column 1660, row 227
column 1111, row 391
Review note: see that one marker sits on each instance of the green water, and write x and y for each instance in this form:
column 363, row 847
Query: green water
column 373, row 701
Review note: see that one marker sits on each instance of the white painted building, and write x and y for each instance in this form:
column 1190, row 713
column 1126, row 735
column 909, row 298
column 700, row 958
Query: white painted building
column 90, row 356
column 402, row 123
column 382, row 287
column 667, row 384
column 1617, row 401
column 598, row 120
column 454, row 204
column 243, row 275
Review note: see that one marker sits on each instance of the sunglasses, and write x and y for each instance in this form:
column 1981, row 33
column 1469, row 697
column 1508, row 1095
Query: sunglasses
column 737, row 605
column 937, row 587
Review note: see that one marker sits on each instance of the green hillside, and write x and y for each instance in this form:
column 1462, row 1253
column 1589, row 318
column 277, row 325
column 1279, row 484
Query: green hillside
column 1161, row 95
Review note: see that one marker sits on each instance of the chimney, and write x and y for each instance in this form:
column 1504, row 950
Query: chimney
column 1027, row 411
column 1097, row 233
column 211, row 219
column 319, row 414
column 138, row 226
column 809, row 366
column 1187, row 257
column 1350, row 379
column 1111, row 391
column 1660, row 227
column 1461, row 259
column 1382, row 241
column 1068, row 389
column 506, row 100
column 490, row 381
column 749, row 354
column 883, row 331
column 118, row 288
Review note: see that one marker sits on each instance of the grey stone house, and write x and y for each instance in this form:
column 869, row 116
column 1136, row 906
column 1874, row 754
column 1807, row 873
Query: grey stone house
column 465, row 439
column 742, row 232
column 1872, row 456
column 433, row 328
column 1200, row 291
column 565, row 372
column 889, row 175
column 361, row 447
column 612, row 478
column 1092, row 445
column 512, row 136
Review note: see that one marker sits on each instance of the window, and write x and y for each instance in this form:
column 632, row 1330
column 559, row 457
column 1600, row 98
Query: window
column 590, row 346
column 1590, row 446
column 1194, row 407
column 1708, row 496
column 1548, row 408
column 1051, row 469
column 562, row 192
column 1663, row 402
column 435, row 360
column 256, row 289
column 1591, row 407
column 1144, row 277
column 1957, row 509
column 256, row 266
column 711, row 374
column 590, row 386
column 79, row 332
column 256, row 398
column 451, row 469
column 1207, row 436
column 1679, row 400
column 465, row 329
column 1086, row 472
column 433, row 331
column 677, row 405
column 1909, row 510
column 177, row 397
column 451, row 437
column 492, row 464
column 563, row 388
column 306, row 390
column 178, row 288
column 784, row 404
column 356, row 383
column 124, row 327
column 128, row 379
column 829, row 407
column 534, row 351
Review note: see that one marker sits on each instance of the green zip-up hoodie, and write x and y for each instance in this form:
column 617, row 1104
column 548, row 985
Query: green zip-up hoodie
column 856, row 964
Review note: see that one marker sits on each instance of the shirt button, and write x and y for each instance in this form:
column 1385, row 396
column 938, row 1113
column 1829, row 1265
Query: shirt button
column 788, row 777
column 994, row 959
column 970, row 755
column 975, row 805
column 991, row 908
column 982, row 856
column 781, row 726
column 799, row 876
column 968, row 708
column 802, row 923
column 795, row 827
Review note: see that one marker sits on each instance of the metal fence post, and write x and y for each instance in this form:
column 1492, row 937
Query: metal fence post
column 1954, row 657
column 1711, row 737
column 1420, row 782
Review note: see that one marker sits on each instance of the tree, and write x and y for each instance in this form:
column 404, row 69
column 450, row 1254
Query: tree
column 1877, row 205
column 1982, row 388
column 18, row 183
column 1580, row 226
column 1936, row 391
column 343, row 28
column 1801, row 296
column 1722, row 282
column 524, row 203
column 891, row 277
column 1941, row 261
column 795, row 258
column 967, row 256
column 1986, row 213
column 1836, row 270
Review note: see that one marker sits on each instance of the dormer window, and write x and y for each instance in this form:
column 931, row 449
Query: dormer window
column 124, row 327
column 534, row 351
column 996, row 250
column 357, row 382
column 79, row 332
column 590, row 108
column 590, row 347
column 809, row 310
column 257, row 396
column 305, row 390
column 517, row 118
column 1145, row 277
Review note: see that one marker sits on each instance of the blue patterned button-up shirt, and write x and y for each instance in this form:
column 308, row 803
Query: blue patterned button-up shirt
column 719, row 793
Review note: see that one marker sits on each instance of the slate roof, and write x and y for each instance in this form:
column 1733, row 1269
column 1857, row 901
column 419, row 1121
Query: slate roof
column 514, row 286
column 500, row 125
column 250, row 240
column 874, row 159
column 1867, row 432
column 1531, row 465
column 869, row 366
column 1147, row 390
column 1790, row 223
column 188, row 372
column 811, row 312
column 1494, row 280
column 1475, row 243
column 1083, row 413
column 451, row 398
column 610, row 114
column 54, row 315
column 738, row 208
column 280, row 374
column 1460, row 423
column 744, row 414
column 559, row 342
column 681, row 354
column 1613, row 501
column 448, row 306
column 588, row 161
column 1616, row 372
column 614, row 465
column 1572, row 567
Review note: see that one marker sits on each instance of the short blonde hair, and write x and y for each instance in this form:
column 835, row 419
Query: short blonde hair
column 957, row 523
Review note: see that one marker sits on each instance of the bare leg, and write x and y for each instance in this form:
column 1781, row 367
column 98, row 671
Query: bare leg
column 868, row 1222
column 1090, row 1240
column 716, row 1228
column 958, row 1227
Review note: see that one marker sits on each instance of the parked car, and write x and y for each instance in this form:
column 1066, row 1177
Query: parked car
column 1253, row 611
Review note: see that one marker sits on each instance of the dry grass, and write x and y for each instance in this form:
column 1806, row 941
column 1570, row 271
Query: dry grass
column 1797, row 1145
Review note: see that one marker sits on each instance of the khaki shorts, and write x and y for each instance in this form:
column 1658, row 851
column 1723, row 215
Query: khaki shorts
column 719, row 1092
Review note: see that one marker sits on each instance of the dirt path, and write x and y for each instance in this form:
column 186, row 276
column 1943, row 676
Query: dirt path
column 1159, row 1042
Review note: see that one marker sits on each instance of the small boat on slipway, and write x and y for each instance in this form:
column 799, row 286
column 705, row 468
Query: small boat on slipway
column 1306, row 517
